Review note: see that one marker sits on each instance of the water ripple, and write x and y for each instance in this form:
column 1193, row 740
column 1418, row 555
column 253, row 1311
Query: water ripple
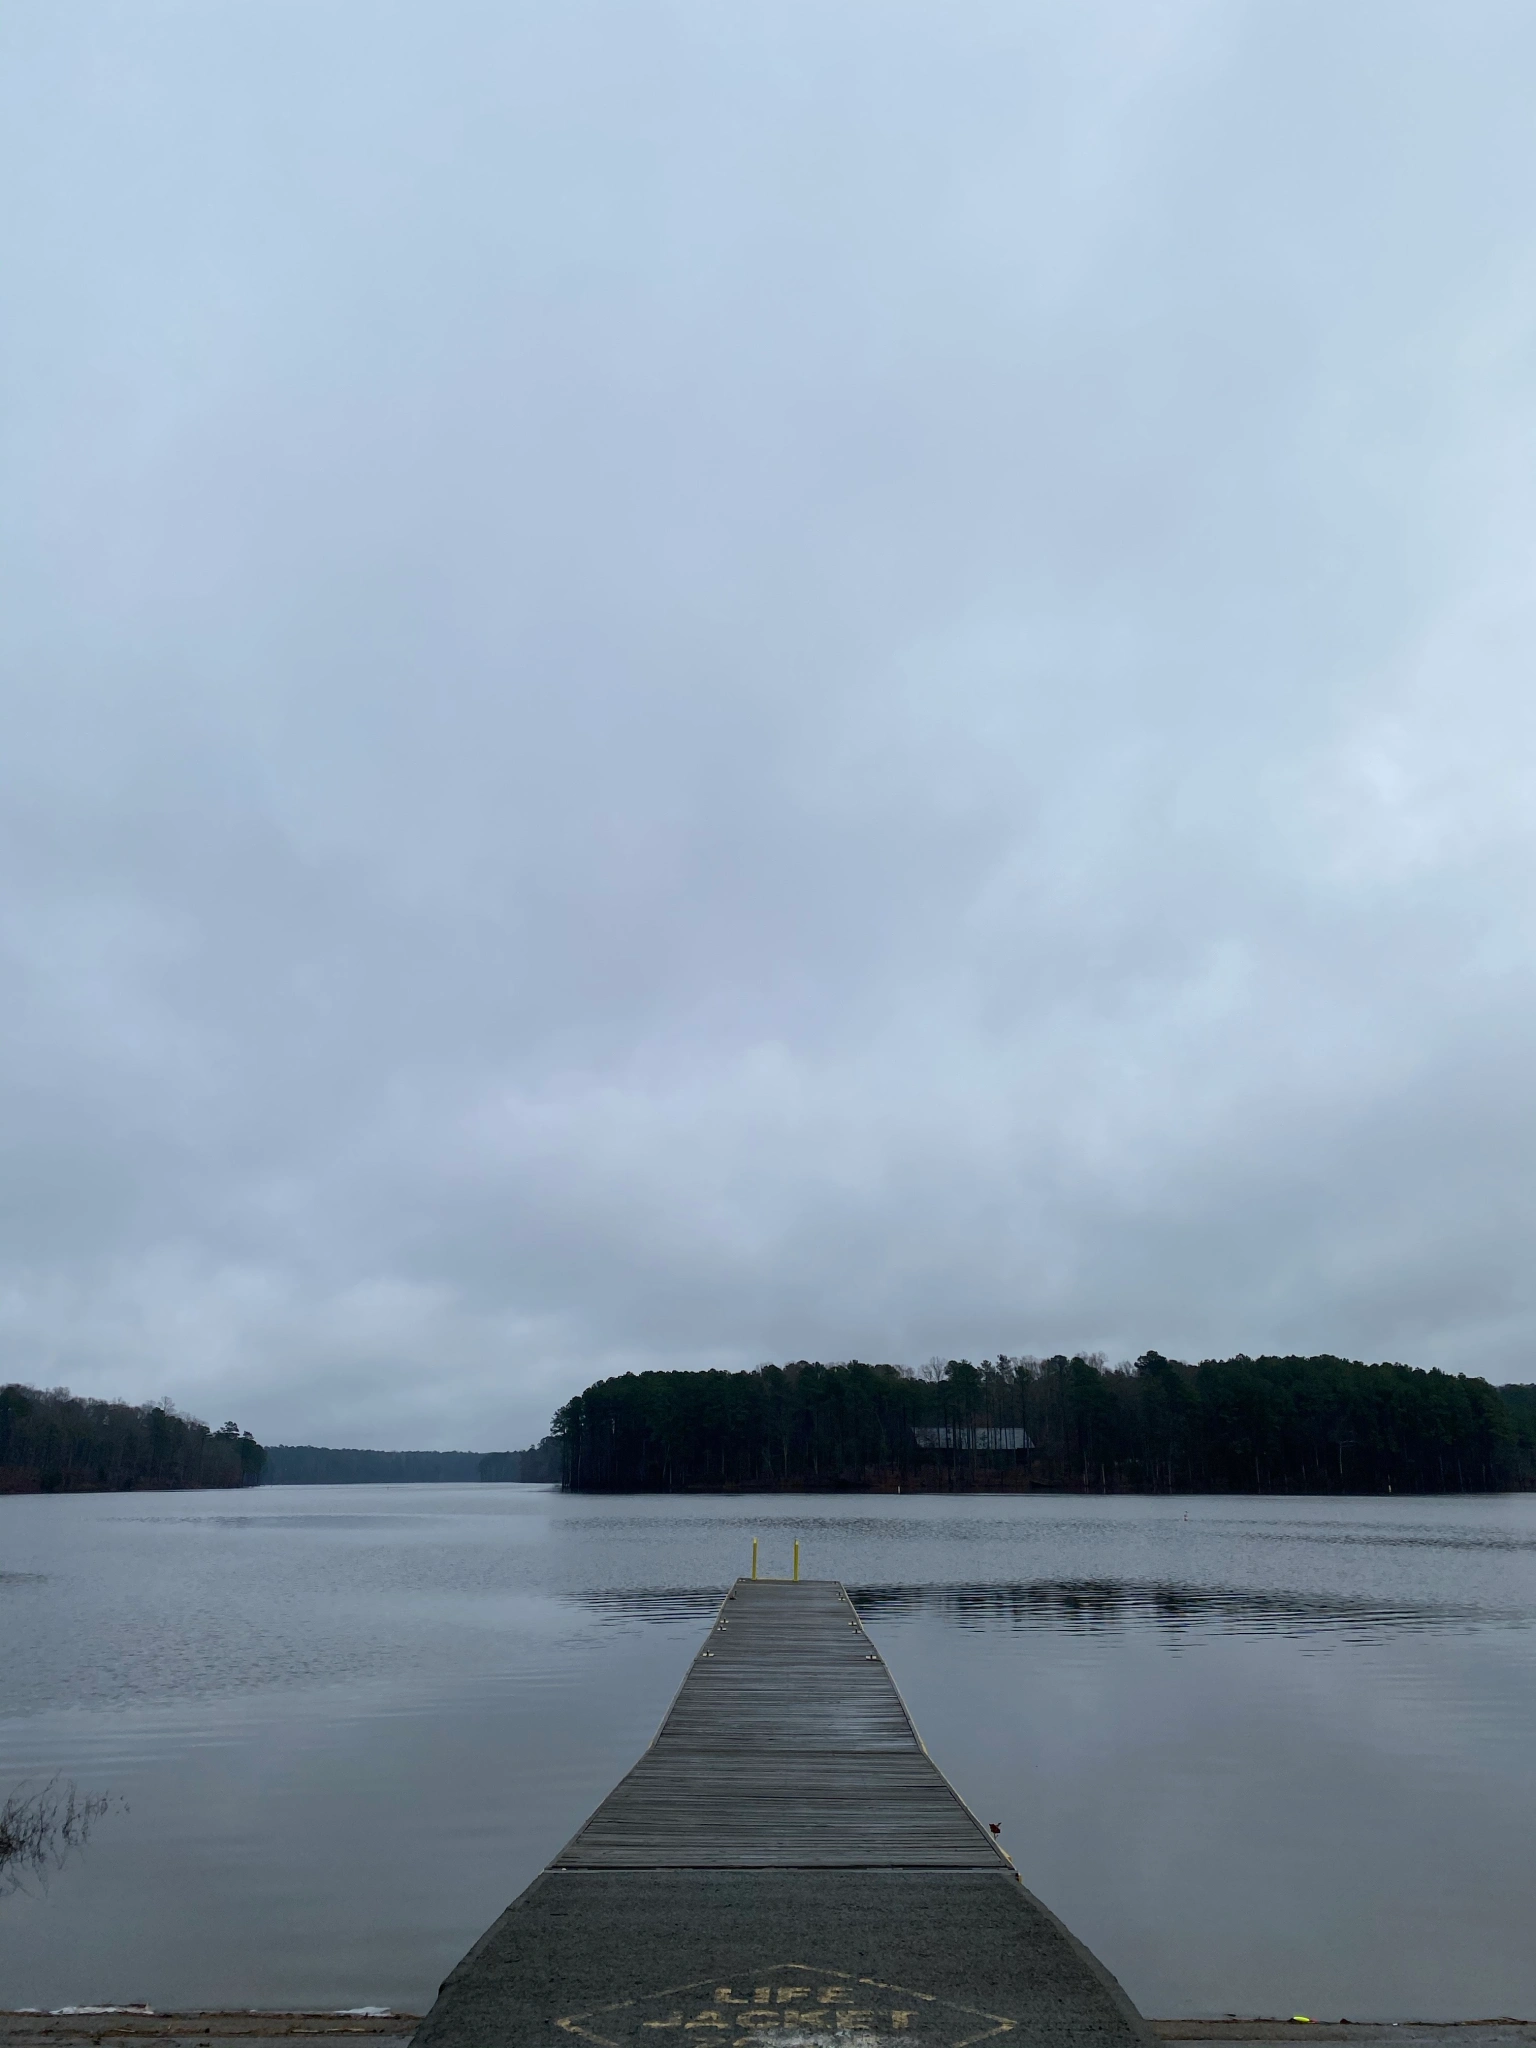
column 1090, row 1606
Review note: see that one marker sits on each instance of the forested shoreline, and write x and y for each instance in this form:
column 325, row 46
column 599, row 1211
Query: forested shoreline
column 57, row 1442
column 1234, row 1425
column 318, row 1465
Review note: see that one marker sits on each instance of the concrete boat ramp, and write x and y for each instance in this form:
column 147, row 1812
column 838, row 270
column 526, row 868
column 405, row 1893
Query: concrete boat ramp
column 97, row 2026
column 785, row 1864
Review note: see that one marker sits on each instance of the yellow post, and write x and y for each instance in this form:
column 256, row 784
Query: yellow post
column 797, row 1557
column 754, row 1557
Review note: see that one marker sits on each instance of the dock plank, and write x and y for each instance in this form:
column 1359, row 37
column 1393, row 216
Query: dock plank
column 788, row 1746
column 785, row 1864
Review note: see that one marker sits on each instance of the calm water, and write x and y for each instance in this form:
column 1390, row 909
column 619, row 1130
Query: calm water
column 1263, row 1756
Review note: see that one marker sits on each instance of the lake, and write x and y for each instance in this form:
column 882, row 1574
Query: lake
column 1264, row 1756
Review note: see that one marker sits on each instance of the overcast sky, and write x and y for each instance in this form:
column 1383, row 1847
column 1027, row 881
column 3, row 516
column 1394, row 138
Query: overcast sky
column 720, row 681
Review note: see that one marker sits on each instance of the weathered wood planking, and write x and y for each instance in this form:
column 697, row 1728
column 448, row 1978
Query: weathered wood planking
column 787, row 1747
column 783, row 1868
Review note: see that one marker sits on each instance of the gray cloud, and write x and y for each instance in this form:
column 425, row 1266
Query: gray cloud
column 690, row 684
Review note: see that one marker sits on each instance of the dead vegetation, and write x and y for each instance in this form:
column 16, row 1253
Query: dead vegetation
column 40, row 1830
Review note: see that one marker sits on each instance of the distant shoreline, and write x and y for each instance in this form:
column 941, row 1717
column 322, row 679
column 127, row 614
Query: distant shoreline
column 1268, row 1425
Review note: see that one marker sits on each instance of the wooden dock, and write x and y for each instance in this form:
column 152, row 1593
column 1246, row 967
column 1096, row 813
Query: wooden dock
column 785, row 1864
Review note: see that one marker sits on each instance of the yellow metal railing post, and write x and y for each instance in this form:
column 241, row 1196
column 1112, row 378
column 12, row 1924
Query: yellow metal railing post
column 797, row 1558
column 754, row 1557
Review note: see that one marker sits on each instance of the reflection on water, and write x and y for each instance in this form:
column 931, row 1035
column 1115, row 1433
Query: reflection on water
column 652, row 1603
column 1082, row 1606
column 1339, row 1535
column 332, row 1523
column 1090, row 1605
column 1263, row 1755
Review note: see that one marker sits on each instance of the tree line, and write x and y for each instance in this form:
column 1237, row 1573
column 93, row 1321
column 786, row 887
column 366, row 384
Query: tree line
column 540, row 1463
column 315, row 1465
column 1231, row 1425
column 58, row 1442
